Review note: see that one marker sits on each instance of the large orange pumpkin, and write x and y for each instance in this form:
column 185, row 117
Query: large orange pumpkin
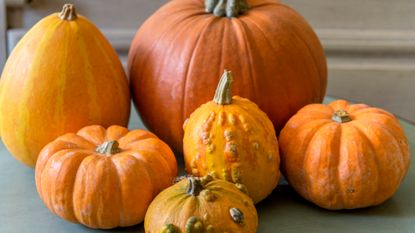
column 344, row 156
column 179, row 53
column 62, row 76
column 104, row 178
column 232, row 139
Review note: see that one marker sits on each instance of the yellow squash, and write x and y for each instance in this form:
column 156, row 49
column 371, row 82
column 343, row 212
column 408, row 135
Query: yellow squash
column 62, row 76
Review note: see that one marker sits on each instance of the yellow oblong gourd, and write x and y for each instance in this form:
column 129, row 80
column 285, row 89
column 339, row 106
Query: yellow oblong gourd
column 62, row 76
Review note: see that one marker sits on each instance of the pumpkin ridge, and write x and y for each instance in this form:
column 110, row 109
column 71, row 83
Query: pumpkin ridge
column 144, row 56
column 191, row 61
column 357, row 157
column 60, row 113
column 242, row 31
column 63, row 153
column 264, row 35
column 358, row 125
column 317, row 66
column 85, row 134
column 93, row 103
column 306, row 155
column 339, row 186
column 319, row 158
column 391, row 135
column 164, row 152
column 142, row 156
column 374, row 111
column 24, row 112
column 178, row 28
column 106, row 53
column 120, row 189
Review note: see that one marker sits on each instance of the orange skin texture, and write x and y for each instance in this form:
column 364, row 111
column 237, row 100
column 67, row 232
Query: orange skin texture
column 348, row 165
column 175, row 206
column 179, row 53
column 62, row 76
column 235, row 142
column 99, row 190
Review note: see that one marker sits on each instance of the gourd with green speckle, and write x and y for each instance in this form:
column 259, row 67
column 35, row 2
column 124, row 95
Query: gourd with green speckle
column 232, row 139
column 201, row 205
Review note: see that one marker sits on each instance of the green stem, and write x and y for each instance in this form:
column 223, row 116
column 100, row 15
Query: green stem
column 341, row 116
column 223, row 95
column 68, row 12
column 194, row 186
column 108, row 148
column 228, row 8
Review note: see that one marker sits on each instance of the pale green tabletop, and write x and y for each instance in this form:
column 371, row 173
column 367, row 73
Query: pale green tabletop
column 21, row 209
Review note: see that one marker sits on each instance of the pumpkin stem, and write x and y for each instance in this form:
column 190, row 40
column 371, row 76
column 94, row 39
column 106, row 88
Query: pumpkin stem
column 228, row 8
column 341, row 116
column 108, row 148
column 223, row 93
column 194, row 186
column 68, row 12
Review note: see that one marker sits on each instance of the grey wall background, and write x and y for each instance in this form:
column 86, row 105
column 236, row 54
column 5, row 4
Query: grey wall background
column 370, row 44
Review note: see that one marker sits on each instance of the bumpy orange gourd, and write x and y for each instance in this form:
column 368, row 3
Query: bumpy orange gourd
column 201, row 205
column 179, row 53
column 234, row 140
column 104, row 178
column 344, row 156
column 62, row 76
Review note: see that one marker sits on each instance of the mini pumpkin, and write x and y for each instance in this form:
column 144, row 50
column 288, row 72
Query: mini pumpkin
column 344, row 156
column 104, row 178
column 201, row 205
column 232, row 139
column 61, row 76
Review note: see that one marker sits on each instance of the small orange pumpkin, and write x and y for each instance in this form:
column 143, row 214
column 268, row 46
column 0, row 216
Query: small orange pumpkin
column 234, row 140
column 344, row 156
column 104, row 178
column 201, row 205
column 61, row 76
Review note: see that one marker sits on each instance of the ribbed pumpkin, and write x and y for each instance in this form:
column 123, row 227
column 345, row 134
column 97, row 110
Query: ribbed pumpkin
column 201, row 205
column 344, row 156
column 179, row 53
column 62, row 76
column 234, row 140
column 104, row 178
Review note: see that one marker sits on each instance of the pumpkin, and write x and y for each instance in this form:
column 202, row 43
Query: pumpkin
column 104, row 178
column 179, row 53
column 231, row 138
column 196, row 205
column 62, row 76
column 344, row 156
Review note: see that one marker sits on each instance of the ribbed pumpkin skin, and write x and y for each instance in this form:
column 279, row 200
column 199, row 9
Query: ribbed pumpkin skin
column 99, row 190
column 175, row 206
column 179, row 53
column 344, row 165
column 235, row 142
column 62, row 76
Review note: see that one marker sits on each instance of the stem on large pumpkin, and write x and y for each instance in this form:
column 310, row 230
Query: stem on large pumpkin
column 228, row 8
column 108, row 148
column 68, row 12
column 194, row 186
column 223, row 93
column 341, row 116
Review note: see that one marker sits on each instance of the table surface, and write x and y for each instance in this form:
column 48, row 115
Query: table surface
column 21, row 209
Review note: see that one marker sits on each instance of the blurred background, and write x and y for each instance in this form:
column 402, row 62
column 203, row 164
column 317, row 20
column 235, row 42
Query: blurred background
column 370, row 44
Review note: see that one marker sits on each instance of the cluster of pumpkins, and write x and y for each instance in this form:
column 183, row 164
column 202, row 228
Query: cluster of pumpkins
column 65, row 102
